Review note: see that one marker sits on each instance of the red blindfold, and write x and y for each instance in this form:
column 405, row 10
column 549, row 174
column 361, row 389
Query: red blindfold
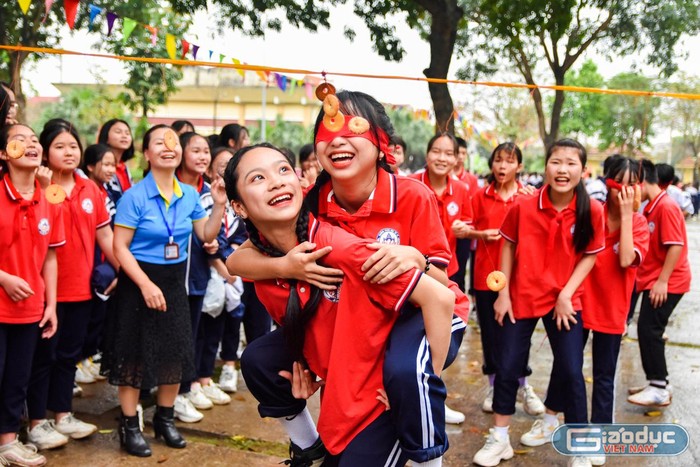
column 610, row 183
column 356, row 127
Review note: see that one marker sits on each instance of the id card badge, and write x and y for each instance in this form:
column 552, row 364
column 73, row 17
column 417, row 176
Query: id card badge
column 172, row 250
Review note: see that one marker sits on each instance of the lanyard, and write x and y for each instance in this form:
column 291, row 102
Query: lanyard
column 171, row 239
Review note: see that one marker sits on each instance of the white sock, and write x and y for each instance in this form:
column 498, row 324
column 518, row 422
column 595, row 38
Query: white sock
column 301, row 429
column 501, row 431
column 550, row 419
column 431, row 463
column 661, row 384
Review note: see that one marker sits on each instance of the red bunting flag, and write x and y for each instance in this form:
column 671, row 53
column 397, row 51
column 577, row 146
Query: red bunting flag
column 71, row 7
column 185, row 47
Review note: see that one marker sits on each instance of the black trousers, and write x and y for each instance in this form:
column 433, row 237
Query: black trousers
column 650, row 331
column 17, row 345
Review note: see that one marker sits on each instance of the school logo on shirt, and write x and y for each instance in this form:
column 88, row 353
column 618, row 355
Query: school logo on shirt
column 87, row 206
column 332, row 295
column 652, row 226
column 616, row 248
column 44, row 226
column 452, row 209
column 389, row 237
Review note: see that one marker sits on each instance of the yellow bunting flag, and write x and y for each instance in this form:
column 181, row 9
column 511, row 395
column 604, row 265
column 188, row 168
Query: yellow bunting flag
column 238, row 62
column 24, row 5
column 171, row 46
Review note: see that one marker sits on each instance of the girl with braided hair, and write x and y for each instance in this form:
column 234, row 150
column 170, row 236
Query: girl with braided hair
column 338, row 335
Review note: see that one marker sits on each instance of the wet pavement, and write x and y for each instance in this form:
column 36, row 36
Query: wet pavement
column 234, row 435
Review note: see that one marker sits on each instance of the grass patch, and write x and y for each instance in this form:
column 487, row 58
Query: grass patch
column 243, row 443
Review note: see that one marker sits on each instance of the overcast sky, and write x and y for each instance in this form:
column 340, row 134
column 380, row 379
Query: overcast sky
column 327, row 50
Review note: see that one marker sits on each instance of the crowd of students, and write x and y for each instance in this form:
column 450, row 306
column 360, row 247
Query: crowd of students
column 145, row 283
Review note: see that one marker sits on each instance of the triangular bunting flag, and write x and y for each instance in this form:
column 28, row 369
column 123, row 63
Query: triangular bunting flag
column 281, row 81
column 24, row 5
column 292, row 86
column 170, row 46
column 94, row 11
column 211, row 52
column 221, row 58
column 263, row 75
column 309, row 91
column 195, row 49
column 110, row 22
column 47, row 7
column 238, row 62
column 185, row 47
column 127, row 28
column 71, row 7
column 154, row 34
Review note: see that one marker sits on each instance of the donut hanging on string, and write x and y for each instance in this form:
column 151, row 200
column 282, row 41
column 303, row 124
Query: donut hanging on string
column 170, row 139
column 15, row 149
column 55, row 194
column 496, row 281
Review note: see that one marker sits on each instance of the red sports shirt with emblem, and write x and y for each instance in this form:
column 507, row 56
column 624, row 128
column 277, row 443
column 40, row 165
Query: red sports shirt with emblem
column 345, row 341
column 666, row 228
column 83, row 213
column 607, row 290
column 28, row 228
column 545, row 256
column 453, row 204
column 470, row 180
column 489, row 211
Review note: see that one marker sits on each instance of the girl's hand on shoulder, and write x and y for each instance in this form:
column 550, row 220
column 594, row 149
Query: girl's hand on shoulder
column 390, row 261
column 49, row 322
column 527, row 190
column 564, row 312
column 43, row 176
column 16, row 287
column 502, row 307
column 301, row 265
column 218, row 191
column 303, row 384
column 626, row 200
column 491, row 235
column 154, row 297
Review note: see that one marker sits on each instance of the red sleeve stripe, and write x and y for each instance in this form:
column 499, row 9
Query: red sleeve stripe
column 674, row 243
column 506, row 237
column 54, row 245
column 592, row 252
column 105, row 223
column 439, row 261
column 409, row 290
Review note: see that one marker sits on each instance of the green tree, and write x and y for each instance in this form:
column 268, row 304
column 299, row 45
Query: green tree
column 86, row 108
column 627, row 120
column 284, row 134
column 515, row 118
column 32, row 30
column 581, row 113
column 684, row 118
column 415, row 132
column 504, row 33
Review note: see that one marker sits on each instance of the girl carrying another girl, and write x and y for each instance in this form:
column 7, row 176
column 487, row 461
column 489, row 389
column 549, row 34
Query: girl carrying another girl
column 341, row 335
column 87, row 224
column 31, row 229
column 491, row 204
column 546, row 279
column 149, row 338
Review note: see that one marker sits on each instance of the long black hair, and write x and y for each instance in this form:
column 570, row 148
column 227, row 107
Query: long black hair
column 583, row 232
column 508, row 147
column 232, row 131
column 361, row 105
column 103, row 137
column 52, row 129
column 296, row 317
column 93, row 155
column 620, row 165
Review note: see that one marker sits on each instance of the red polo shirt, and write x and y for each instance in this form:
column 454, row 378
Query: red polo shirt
column 666, row 228
column 607, row 290
column 28, row 228
column 123, row 176
column 489, row 211
column 83, row 213
column 345, row 341
column 470, row 180
column 454, row 203
column 545, row 256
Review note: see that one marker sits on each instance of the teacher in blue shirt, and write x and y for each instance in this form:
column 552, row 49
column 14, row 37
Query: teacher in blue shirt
column 149, row 341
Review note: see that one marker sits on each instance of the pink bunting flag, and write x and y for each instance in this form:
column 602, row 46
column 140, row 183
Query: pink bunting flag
column 185, row 47
column 309, row 91
column 154, row 34
column 47, row 7
column 71, row 8
column 110, row 22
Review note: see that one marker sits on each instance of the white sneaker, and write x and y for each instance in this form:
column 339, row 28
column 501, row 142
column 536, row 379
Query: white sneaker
column 228, row 381
column 579, row 461
column 651, row 396
column 597, row 460
column 199, row 400
column 494, row 451
column 16, row 453
column 532, row 405
column 76, row 429
column 452, row 416
column 94, row 369
column 77, row 390
column 539, row 434
column 185, row 411
column 83, row 375
column 215, row 394
column 45, row 436
column 487, row 405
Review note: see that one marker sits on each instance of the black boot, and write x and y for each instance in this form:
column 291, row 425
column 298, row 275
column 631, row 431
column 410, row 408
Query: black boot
column 131, row 438
column 164, row 425
column 310, row 457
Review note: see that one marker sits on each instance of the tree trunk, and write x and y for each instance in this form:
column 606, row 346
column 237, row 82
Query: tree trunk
column 443, row 34
column 15, row 63
column 557, row 107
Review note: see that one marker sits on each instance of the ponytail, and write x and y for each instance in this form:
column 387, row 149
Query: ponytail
column 584, row 226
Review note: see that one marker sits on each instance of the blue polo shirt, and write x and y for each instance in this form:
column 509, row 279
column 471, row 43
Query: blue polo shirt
column 144, row 209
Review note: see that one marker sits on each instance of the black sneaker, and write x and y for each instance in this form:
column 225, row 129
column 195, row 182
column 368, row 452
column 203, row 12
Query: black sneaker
column 312, row 456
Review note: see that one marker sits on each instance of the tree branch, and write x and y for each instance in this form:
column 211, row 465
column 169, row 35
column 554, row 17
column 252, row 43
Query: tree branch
column 571, row 58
